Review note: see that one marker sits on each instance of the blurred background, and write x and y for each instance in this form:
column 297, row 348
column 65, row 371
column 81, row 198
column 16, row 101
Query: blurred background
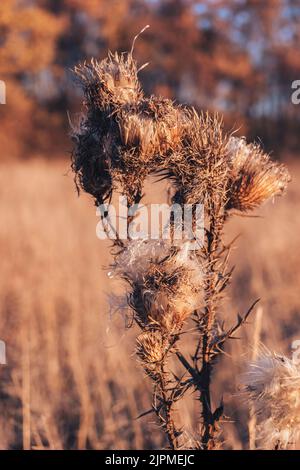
column 71, row 380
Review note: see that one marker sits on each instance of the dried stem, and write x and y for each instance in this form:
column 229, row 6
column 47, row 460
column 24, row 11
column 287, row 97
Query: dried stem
column 165, row 414
column 207, row 326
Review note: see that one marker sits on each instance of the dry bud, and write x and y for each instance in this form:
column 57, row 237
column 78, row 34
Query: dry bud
column 151, row 346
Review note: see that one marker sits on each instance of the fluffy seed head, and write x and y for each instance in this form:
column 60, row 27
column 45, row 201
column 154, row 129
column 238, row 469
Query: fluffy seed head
column 166, row 281
column 272, row 385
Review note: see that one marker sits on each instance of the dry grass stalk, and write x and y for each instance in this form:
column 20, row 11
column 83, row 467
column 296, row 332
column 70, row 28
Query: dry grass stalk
column 26, row 392
column 255, row 353
column 122, row 138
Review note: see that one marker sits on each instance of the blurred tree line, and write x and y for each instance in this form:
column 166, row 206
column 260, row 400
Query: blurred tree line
column 239, row 57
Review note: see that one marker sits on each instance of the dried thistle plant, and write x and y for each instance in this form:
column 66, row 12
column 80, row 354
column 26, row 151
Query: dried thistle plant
column 272, row 385
column 122, row 138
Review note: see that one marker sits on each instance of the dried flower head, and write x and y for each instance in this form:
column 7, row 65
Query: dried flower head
column 154, row 128
column 138, row 131
column 108, row 85
column 151, row 346
column 112, row 81
column 166, row 281
column 199, row 169
column 122, row 136
column 254, row 177
column 272, row 385
column 91, row 160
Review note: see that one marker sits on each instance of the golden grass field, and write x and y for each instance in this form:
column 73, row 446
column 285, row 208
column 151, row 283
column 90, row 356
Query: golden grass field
column 72, row 380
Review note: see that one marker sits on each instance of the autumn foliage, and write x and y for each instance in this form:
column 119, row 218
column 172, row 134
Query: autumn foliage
column 236, row 57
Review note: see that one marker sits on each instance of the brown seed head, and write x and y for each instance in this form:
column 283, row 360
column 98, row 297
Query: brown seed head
column 254, row 177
